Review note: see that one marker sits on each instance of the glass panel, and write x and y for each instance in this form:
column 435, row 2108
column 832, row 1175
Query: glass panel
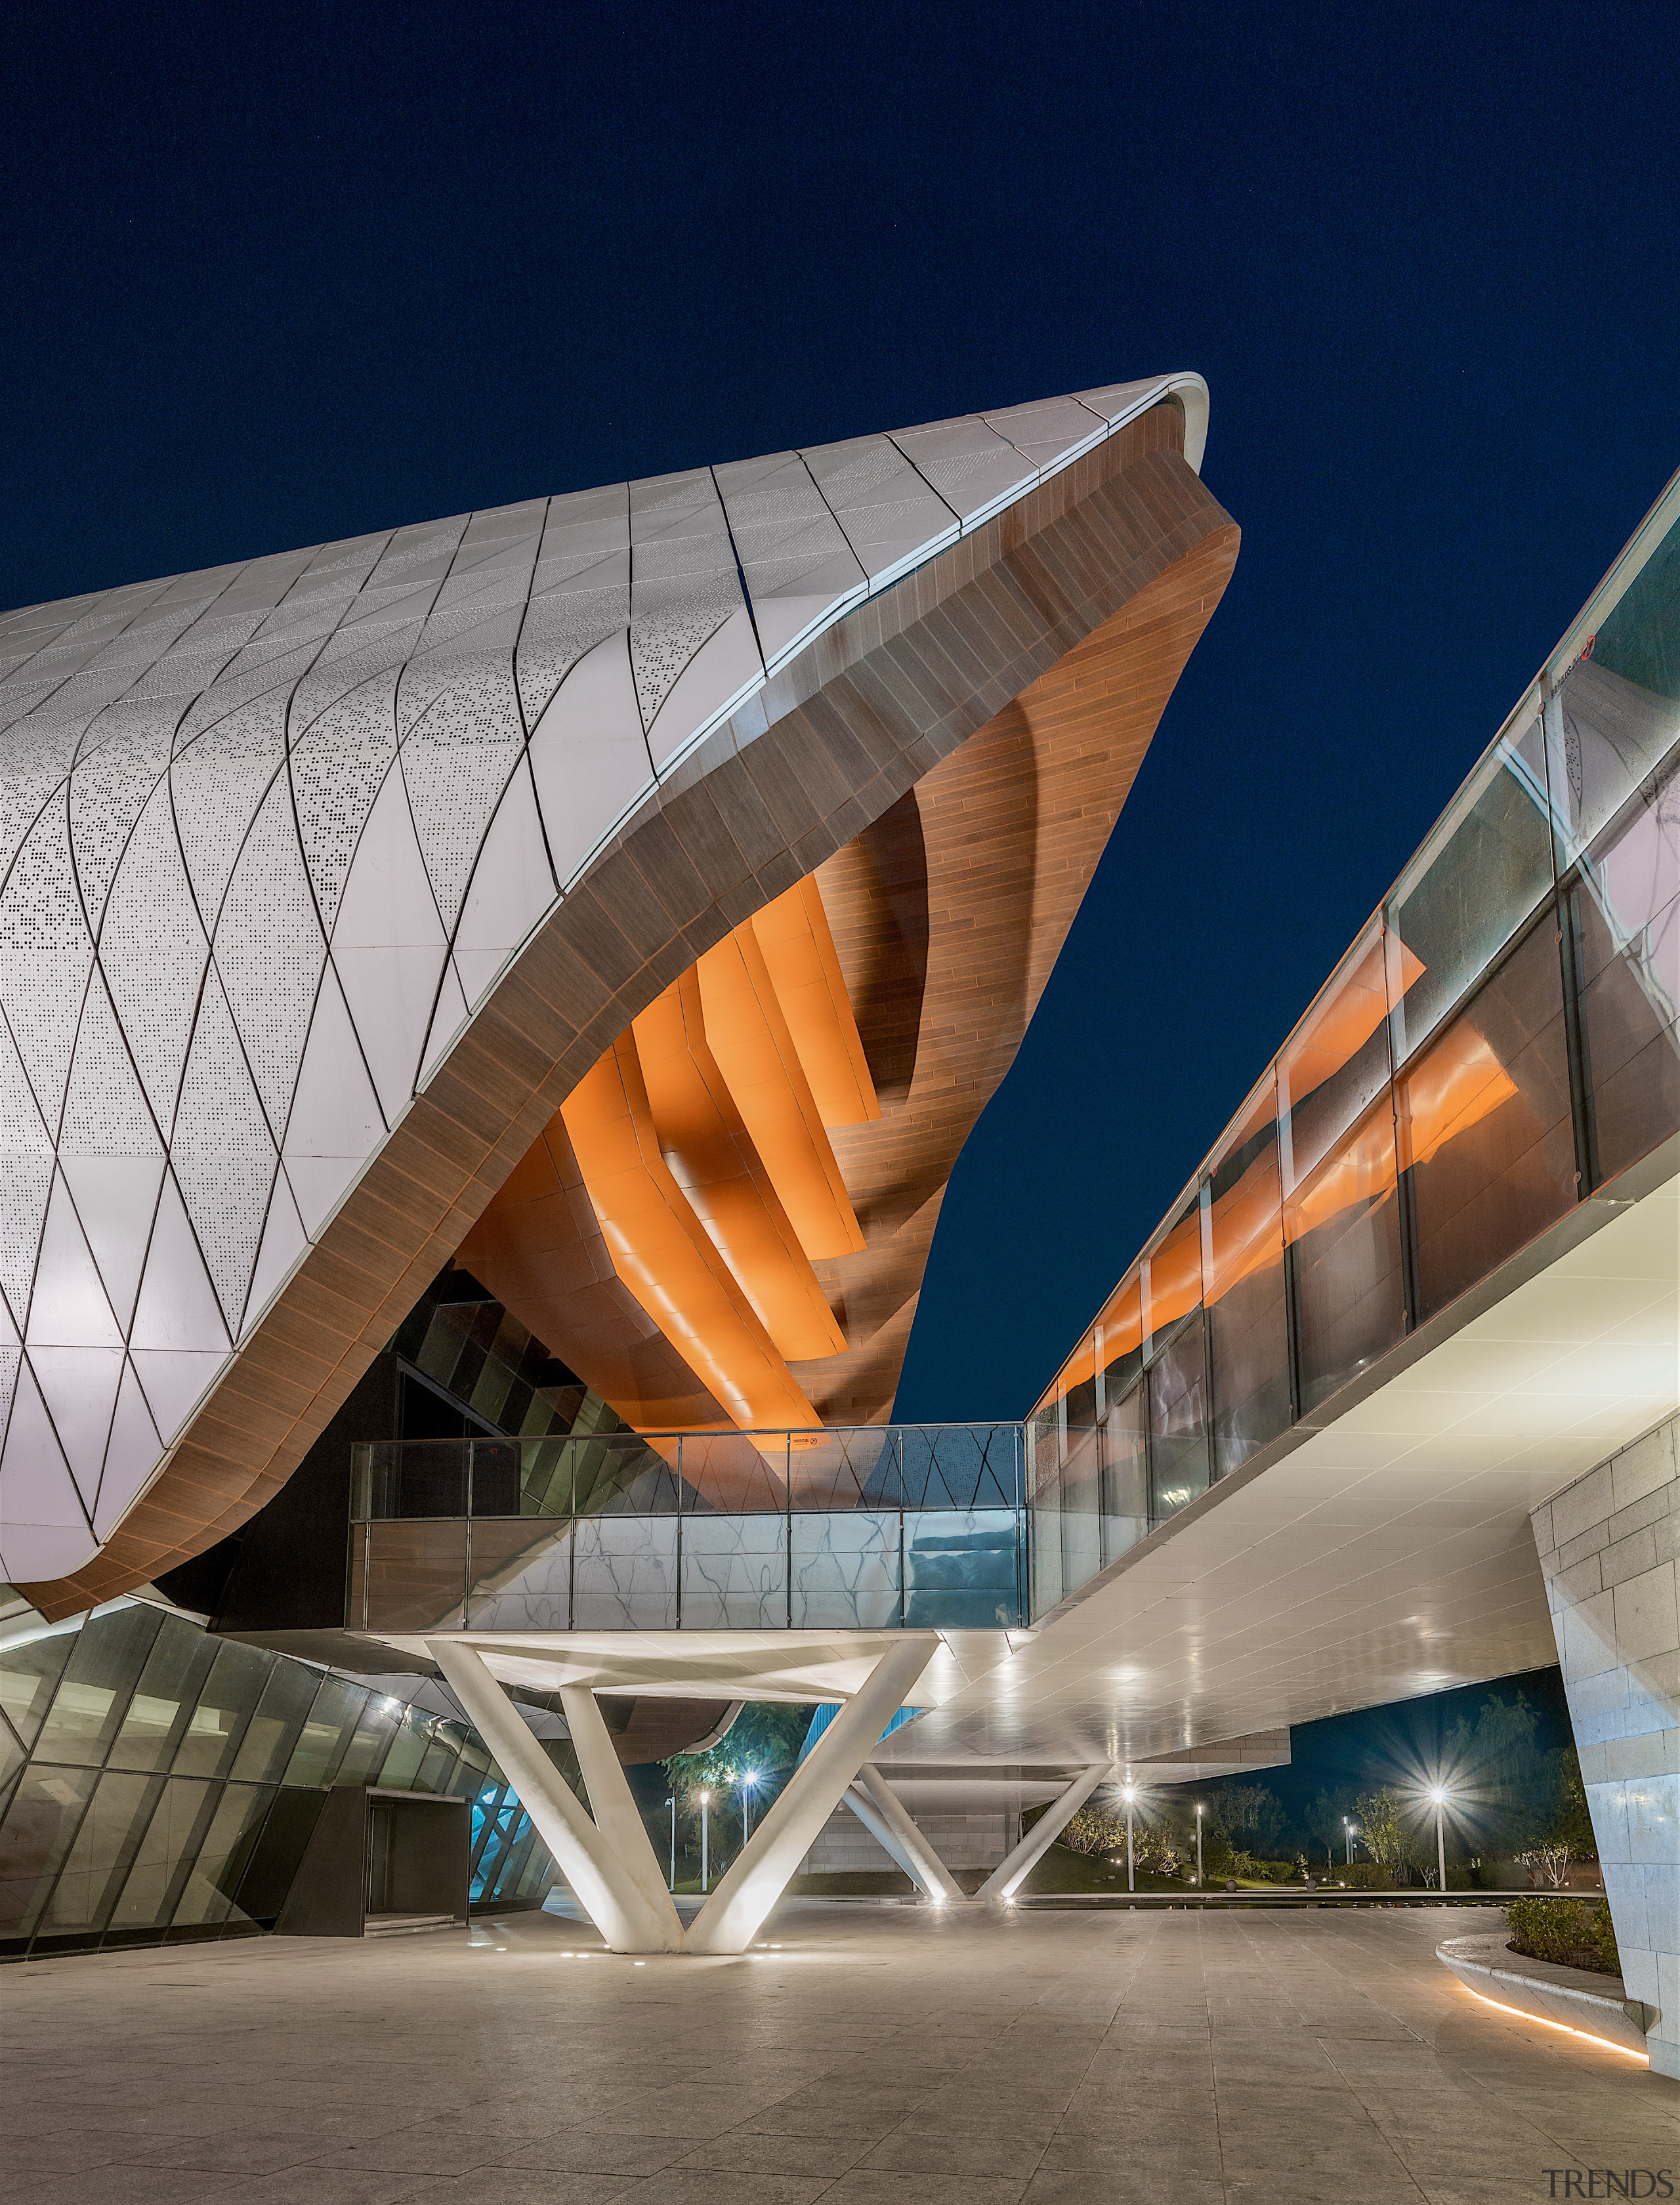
column 213, row 1876
column 521, row 1576
column 959, row 1466
column 1119, row 1337
column 1177, row 1390
column 88, row 1708
column 960, row 1569
column 1248, row 1327
column 1343, row 1228
column 1487, row 1126
column 29, row 1674
column 1616, row 712
column 616, row 1473
column 729, row 1472
column 1081, row 1523
column 423, row 1477
column 331, row 1725
column 168, row 1688
column 1626, row 924
column 1044, row 1545
column 372, row 1741
column 624, row 1573
column 416, row 1575
column 496, row 1477
column 172, row 1838
column 105, row 1849
column 40, row 1828
column 845, row 1468
column 216, row 1726
column 1172, row 1277
column 845, row 1570
column 409, row 1749
column 734, row 1572
column 1125, row 1475
column 1480, row 874
column 273, row 1731
column 1337, row 1061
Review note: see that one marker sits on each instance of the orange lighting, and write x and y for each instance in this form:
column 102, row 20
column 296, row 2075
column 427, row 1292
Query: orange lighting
column 805, row 970
column 663, row 1251
column 702, row 1139
column 750, row 1038
column 1499, row 2006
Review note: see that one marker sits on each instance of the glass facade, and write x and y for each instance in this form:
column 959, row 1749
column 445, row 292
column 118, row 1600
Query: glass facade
column 161, row 1785
column 1500, row 1042
column 865, row 1528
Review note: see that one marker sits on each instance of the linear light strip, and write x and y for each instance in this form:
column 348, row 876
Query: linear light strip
column 1608, row 2043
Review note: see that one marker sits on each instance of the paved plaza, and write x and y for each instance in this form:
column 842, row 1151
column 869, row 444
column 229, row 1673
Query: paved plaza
column 864, row 2055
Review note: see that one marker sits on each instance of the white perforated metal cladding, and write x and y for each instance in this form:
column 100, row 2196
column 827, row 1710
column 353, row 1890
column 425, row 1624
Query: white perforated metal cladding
column 270, row 834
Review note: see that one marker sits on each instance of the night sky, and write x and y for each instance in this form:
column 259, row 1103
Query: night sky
column 281, row 274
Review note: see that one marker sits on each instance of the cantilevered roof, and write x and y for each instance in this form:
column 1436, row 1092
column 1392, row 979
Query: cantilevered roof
column 324, row 877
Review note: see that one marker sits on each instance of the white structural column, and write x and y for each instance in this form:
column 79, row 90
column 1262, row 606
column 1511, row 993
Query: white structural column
column 1010, row 1874
column 730, row 1917
column 905, row 1842
column 606, row 1889
column 617, row 1817
column 1610, row 1547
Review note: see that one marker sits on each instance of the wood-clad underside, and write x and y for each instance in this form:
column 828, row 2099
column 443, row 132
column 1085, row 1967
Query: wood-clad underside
column 869, row 710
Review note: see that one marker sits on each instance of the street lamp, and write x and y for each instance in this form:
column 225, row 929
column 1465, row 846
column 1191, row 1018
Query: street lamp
column 672, row 1804
column 1198, row 1847
column 705, row 1856
column 1347, row 1826
column 749, row 1778
column 1130, row 1795
column 1437, row 1798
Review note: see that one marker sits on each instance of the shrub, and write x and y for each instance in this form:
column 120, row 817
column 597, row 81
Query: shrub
column 1569, row 1932
column 1366, row 1875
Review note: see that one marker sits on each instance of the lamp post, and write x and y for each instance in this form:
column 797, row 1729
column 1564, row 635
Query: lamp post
column 749, row 1777
column 1437, row 1800
column 672, row 1804
column 705, row 1839
column 1130, row 1795
column 1347, row 1826
column 1198, row 1847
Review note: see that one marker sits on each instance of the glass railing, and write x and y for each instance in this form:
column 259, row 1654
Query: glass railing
column 874, row 1527
column 1499, row 1044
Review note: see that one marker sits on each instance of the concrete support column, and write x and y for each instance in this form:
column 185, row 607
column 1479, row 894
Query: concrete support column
column 1006, row 1879
column 729, row 1920
column 612, row 1806
column 882, row 1814
column 609, row 1894
column 1608, row 1545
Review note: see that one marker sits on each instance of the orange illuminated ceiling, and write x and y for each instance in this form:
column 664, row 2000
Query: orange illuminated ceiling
column 729, row 1220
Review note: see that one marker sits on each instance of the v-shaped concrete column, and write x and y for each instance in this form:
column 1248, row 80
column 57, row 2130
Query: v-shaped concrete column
column 882, row 1813
column 729, row 1919
column 608, row 1862
column 1010, row 1874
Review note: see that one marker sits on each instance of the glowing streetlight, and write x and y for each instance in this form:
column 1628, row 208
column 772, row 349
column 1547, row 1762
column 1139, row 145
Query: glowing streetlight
column 1198, row 1845
column 1439, row 1795
column 749, row 1778
column 672, row 1804
column 1130, row 1795
column 705, row 1854
column 1351, row 1833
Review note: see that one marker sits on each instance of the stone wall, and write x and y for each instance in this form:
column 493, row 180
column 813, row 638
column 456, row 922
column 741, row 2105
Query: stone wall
column 1607, row 1545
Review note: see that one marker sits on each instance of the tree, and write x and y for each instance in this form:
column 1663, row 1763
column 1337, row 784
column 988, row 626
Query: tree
column 1382, row 1826
column 1251, row 1815
column 1572, row 1822
column 1502, row 1768
column 1324, row 1819
column 1097, row 1827
column 764, row 1738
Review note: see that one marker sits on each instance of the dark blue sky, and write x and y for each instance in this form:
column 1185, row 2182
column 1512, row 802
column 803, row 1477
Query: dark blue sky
column 281, row 274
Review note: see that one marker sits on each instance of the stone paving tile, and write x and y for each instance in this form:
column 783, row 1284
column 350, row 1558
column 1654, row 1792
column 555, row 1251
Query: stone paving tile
column 885, row 2061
